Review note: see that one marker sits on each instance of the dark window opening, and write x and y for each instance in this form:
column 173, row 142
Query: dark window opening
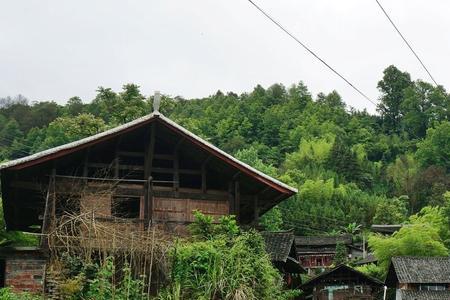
column 2, row 273
column 190, row 181
column 68, row 205
column 125, row 207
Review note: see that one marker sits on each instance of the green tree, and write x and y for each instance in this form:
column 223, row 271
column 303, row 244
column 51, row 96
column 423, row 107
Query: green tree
column 435, row 148
column 340, row 256
column 392, row 88
column 424, row 235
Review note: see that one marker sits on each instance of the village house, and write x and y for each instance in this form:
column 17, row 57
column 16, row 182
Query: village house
column 150, row 172
column 342, row 283
column 281, row 248
column 317, row 252
column 419, row 278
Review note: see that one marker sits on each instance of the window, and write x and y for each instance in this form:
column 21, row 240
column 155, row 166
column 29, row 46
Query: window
column 432, row 287
column 126, row 207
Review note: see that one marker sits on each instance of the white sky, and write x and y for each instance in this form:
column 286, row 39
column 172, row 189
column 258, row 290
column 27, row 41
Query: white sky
column 55, row 49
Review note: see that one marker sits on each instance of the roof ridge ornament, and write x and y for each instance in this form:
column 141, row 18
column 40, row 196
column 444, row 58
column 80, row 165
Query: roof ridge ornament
column 156, row 101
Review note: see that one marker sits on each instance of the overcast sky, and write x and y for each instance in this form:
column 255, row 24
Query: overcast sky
column 54, row 49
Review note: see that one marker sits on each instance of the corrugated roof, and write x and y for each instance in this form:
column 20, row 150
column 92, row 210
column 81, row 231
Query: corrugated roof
column 425, row 295
column 422, row 269
column 322, row 240
column 67, row 148
column 278, row 244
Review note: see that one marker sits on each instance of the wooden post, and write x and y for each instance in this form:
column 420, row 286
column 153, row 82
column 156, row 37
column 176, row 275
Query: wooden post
column 150, row 199
column 150, row 152
column 53, row 214
column 86, row 165
column 147, row 198
column 176, row 173
column 176, row 167
column 117, row 158
column 46, row 213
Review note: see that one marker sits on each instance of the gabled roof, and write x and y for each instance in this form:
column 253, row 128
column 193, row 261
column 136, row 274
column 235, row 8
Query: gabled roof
column 278, row 244
column 410, row 269
column 389, row 229
column 424, row 295
column 63, row 150
column 301, row 241
column 328, row 276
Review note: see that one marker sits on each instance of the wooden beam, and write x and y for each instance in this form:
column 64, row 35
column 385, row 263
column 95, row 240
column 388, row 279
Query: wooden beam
column 120, row 167
column 131, row 154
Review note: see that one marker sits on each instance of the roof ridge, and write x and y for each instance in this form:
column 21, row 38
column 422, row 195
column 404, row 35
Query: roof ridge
column 136, row 122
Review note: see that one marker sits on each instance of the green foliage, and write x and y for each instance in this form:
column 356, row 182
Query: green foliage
column 425, row 235
column 272, row 220
column 230, row 265
column 8, row 294
column 390, row 211
column 373, row 271
column 341, row 254
column 435, row 148
column 100, row 282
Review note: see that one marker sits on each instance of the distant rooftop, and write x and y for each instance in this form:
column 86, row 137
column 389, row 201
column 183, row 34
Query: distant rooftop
column 408, row 269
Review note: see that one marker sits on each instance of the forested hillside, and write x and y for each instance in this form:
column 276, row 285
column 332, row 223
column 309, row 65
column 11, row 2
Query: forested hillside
column 349, row 166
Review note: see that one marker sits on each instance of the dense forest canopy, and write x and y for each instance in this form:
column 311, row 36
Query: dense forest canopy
column 351, row 167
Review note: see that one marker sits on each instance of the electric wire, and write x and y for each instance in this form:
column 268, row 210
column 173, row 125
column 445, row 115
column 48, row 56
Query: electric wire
column 279, row 25
column 406, row 41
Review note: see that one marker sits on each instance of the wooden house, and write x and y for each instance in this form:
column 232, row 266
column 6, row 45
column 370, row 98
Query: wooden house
column 148, row 172
column 342, row 283
column 419, row 278
column 281, row 248
column 317, row 252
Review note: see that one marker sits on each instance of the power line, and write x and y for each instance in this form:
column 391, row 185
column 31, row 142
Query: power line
column 406, row 42
column 310, row 51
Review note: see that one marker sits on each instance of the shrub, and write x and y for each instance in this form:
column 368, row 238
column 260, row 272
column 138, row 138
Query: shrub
column 228, row 264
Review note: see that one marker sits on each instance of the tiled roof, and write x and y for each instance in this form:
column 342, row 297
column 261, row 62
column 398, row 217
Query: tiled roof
column 278, row 244
column 425, row 295
column 422, row 269
column 330, row 275
column 322, row 240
